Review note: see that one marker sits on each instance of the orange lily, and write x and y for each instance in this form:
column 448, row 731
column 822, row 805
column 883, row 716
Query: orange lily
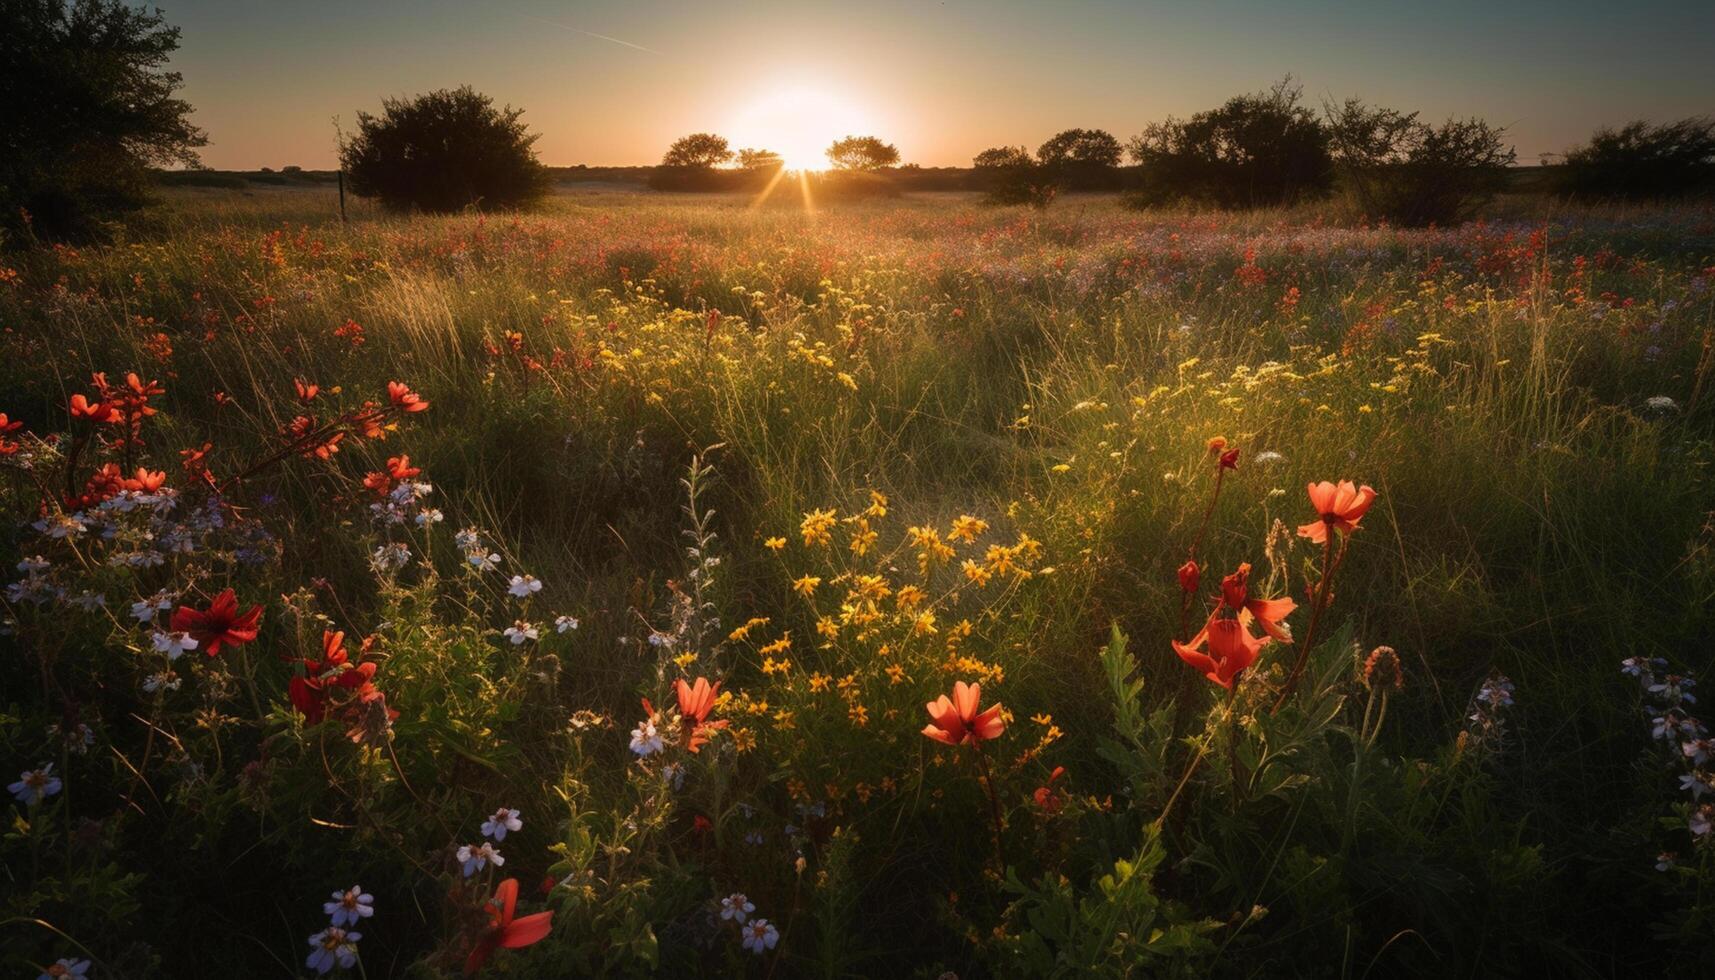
column 505, row 932
column 1231, row 650
column 957, row 721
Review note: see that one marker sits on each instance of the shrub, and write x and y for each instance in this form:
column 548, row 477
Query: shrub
column 862, row 153
column 1256, row 150
column 1083, row 159
column 703, row 150
column 1011, row 176
column 1412, row 173
column 89, row 108
column 1639, row 160
column 444, row 151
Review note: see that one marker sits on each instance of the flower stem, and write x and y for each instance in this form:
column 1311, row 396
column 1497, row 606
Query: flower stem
column 1330, row 564
column 994, row 806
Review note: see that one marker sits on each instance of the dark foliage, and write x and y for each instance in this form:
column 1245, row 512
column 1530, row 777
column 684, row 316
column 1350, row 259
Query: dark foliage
column 1082, row 159
column 1643, row 161
column 444, row 151
column 88, row 108
column 1258, row 150
column 1408, row 172
column 703, row 150
column 862, row 153
column 1010, row 175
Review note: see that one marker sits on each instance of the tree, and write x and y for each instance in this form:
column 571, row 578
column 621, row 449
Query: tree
column 89, row 107
column 865, row 153
column 1012, row 176
column 444, row 151
column 1082, row 158
column 702, row 151
column 1256, row 150
column 1640, row 160
column 759, row 160
column 1412, row 173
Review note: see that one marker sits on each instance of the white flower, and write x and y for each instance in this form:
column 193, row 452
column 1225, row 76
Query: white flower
column 736, row 907
column 1267, row 457
column 146, row 610
column 62, row 525
column 524, row 586
column 35, row 785
column 476, row 857
column 164, row 681
column 503, row 820
column 349, row 906
column 333, row 945
column 565, row 624
column 1497, row 692
column 521, row 631
column 173, row 644
column 1694, row 784
column 65, row 967
column 31, row 566
column 468, row 539
column 760, row 936
column 645, row 740
column 1662, row 403
column 429, row 516
column 1666, row 861
column 482, row 562
column 89, row 601
column 1702, row 820
column 1698, row 750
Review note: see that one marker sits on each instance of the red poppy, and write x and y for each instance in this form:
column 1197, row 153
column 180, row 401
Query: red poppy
column 956, row 722
column 221, row 624
column 505, row 932
column 695, row 703
column 402, row 397
column 1340, row 505
column 310, row 693
column 1270, row 614
column 1231, row 649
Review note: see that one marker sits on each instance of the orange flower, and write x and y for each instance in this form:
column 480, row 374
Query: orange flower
column 83, row 408
column 695, row 703
column 1270, row 614
column 505, row 932
column 306, row 391
column 221, row 624
column 1189, row 576
column 1231, row 649
column 402, row 397
column 1340, row 506
column 956, row 722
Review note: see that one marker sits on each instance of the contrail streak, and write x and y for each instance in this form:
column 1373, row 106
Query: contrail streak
column 602, row 37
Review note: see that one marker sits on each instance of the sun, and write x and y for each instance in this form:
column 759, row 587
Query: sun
column 797, row 121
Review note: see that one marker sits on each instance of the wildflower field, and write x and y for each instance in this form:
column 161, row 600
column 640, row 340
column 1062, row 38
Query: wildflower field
column 658, row 585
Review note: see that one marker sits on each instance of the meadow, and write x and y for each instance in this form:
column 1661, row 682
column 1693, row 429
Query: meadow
column 615, row 550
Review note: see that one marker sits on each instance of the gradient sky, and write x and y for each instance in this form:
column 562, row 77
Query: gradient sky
column 942, row 80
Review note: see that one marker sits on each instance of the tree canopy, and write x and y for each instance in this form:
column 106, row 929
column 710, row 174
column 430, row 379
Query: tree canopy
column 701, row 150
column 444, row 151
column 862, row 153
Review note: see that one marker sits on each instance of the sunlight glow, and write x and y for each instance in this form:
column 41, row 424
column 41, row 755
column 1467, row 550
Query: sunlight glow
column 798, row 122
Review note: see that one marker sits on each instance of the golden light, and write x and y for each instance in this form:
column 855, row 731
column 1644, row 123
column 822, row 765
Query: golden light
column 798, row 122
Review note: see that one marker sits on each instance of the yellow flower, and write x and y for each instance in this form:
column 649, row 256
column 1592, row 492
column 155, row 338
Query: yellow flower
column 772, row 666
column 774, row 544
column 816, row 526
column 685, row 660
column 877, row 504
column 858, row 714
column 819, row 682
column 967, row 528
column 925, row 624
column 895, row 674
column 863, row 538
column 806, row 586
column 976, row 573
column 778, row 646
column 827, row 627
column 909, row 597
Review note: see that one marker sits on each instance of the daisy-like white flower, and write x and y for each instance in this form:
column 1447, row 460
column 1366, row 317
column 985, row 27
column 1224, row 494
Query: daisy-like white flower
column 645, row 740
column 484, row 562
column 524, row 586
column 173, row 644
column 145, row 611
column 565, row 624
column 520, row 632
column 333, row 946
column 350, row 905
column 1662, row 403
column 760, row 936
column 736, row 908
column 503, row 821
column 65, row 967
column 475, row 857
column 35, row 785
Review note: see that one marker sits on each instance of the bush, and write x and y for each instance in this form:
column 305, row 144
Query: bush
column 1411, row 173
column 1082, row 159
column 1010, row 176
column 1639, row 160
column 862, row 153
column 89, row 107
column 443, row 152
column 1258, row 150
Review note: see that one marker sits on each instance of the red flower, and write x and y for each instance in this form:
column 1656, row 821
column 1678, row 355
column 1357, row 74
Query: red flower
column 306, row 391
column 956, row 722
column 695, row 703
column 83, row 408
column 1340, row 506
column 146, row 481
column 1231, row 650
column 505, row 932
column 1046, row 797
column 1270, row 614
column 221, row 624
column 310, row 693
column 1189, row 576
column 404, row 398
column 1230, row 459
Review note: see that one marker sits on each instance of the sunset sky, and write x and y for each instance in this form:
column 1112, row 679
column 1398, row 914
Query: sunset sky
column 615, row 82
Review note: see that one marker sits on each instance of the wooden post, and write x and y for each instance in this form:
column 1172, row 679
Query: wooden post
column 342, row 197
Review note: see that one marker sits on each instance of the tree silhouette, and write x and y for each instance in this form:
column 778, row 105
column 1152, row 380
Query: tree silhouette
column 1640, row 160
column 1256, row 150
column 749, row 159
column 864, row 153
column 89, row 106
column 444, row 151
column 700, row 150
